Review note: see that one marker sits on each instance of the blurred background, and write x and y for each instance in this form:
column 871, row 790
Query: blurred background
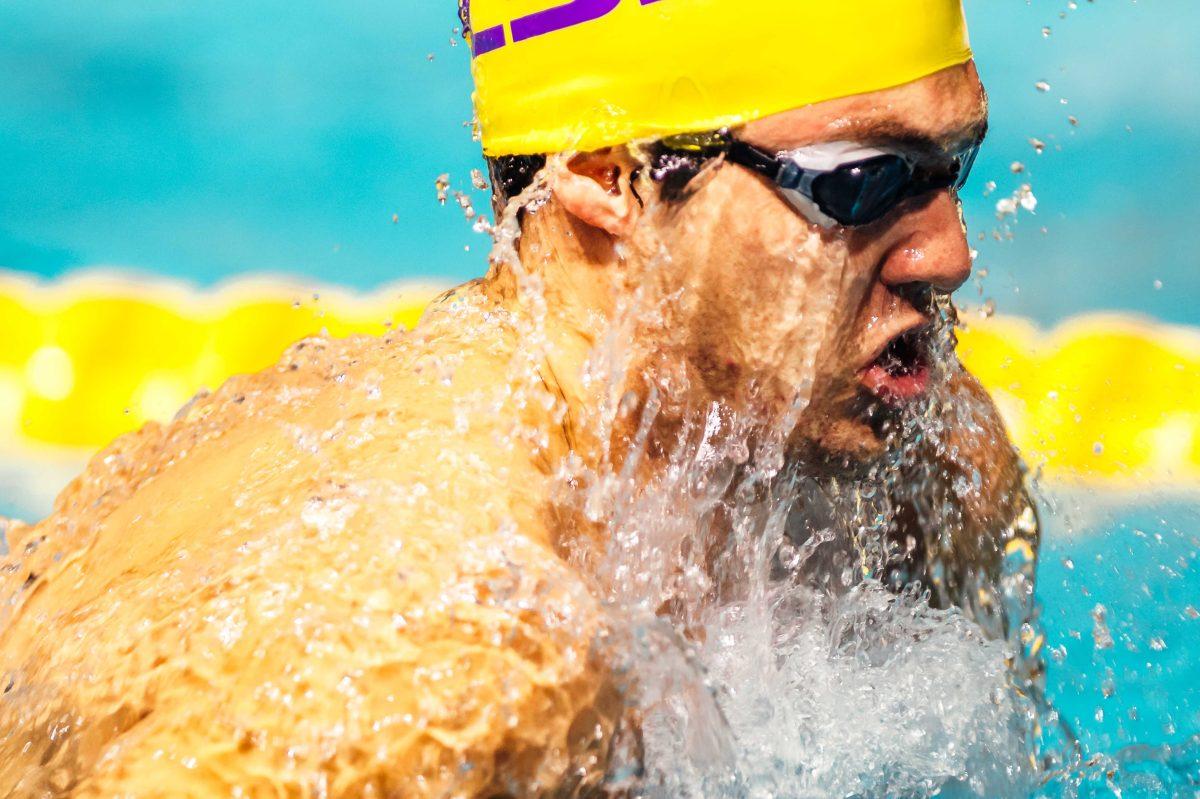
column 187, row 187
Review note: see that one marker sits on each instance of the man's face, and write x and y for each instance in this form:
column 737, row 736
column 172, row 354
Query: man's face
column 778, row 307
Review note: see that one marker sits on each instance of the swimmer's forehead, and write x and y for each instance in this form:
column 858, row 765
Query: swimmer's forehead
column 938, row 111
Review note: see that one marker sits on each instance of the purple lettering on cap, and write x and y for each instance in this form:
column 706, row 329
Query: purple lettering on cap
column 559, row 17
column 539, row 23
column 487, row 40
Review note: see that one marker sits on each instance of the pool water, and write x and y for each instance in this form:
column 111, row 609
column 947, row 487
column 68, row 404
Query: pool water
column 1120, row 590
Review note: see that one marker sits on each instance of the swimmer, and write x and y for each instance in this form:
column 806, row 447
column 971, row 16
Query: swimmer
column 355, row 573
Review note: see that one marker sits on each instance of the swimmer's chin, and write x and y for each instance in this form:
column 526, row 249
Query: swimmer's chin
column 839, row 445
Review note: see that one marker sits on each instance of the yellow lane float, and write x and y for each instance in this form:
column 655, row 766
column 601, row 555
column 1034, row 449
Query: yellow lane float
column 85, row 359
column 89, row 358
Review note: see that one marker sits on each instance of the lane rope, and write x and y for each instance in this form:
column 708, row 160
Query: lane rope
column 87, row 358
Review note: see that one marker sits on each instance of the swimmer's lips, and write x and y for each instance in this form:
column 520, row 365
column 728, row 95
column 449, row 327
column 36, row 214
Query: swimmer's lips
column 899, row 372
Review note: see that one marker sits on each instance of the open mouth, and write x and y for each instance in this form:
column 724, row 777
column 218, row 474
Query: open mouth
column 901, row 372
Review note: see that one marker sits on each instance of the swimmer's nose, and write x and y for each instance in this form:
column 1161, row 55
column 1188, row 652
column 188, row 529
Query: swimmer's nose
column 932, row 248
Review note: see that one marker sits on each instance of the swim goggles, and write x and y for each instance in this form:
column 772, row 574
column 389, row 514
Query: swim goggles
column 845, row 183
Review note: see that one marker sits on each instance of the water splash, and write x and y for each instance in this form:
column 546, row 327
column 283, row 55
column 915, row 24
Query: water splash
column 775, row 631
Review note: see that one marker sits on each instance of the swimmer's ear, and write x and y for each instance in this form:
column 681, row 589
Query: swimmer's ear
column 597, row 188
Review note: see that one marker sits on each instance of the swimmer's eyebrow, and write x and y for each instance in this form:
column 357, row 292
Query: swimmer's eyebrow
column 895, row 132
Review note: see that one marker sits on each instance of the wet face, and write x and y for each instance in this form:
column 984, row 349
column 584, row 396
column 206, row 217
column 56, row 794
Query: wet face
column 778, row 307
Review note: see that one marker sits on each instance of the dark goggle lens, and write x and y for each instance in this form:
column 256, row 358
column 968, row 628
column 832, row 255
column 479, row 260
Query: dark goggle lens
column 861, row 193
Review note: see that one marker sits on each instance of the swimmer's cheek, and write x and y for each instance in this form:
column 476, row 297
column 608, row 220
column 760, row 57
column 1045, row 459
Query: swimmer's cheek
column 971, row 493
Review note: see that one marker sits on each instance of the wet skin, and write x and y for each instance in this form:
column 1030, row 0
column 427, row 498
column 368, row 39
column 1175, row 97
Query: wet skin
column 342, row 576
column 767, row 285
column 763, row 303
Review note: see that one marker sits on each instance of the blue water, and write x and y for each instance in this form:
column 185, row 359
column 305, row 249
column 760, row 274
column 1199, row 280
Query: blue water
column 1140, row 559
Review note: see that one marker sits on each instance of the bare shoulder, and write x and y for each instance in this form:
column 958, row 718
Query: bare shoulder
column 329, row 573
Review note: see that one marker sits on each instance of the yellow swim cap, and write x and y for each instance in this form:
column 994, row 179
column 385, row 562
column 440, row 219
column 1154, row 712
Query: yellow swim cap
column 554, row 75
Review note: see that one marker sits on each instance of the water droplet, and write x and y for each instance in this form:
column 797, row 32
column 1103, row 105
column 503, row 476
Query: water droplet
column 464, row 202
column 1042, row 86
column 1027, row 199
column 1101, row 636
column 1098, row 448
column 1158, row 284
column 1046, row 31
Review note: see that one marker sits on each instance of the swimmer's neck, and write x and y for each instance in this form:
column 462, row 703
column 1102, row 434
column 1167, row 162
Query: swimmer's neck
column 574, row 285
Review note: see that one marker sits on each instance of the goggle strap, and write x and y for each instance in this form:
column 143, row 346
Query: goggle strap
column 748, row 155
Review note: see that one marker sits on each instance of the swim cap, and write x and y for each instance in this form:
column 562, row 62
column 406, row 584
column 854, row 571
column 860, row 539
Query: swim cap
column 554, row 75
